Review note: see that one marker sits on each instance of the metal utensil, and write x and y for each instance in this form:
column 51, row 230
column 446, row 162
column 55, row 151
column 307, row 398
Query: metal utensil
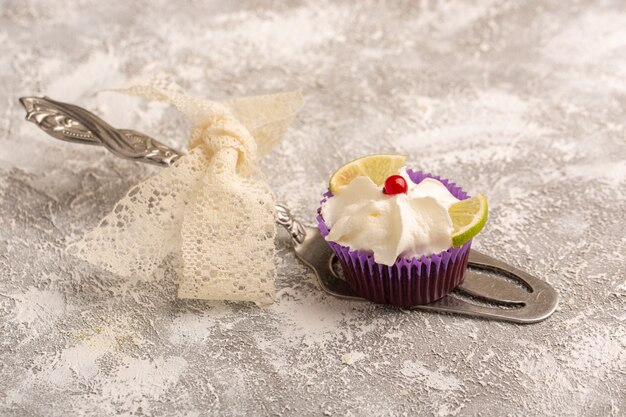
column 492, row 289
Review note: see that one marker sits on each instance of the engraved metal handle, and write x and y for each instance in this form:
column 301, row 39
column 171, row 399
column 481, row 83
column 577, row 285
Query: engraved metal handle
column 71, row 123
column 74, row 124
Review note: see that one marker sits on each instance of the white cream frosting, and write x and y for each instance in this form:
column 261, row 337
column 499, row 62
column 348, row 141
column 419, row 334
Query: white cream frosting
column 417, row 223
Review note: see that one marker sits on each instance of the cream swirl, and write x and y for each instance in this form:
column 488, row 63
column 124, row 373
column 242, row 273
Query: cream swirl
column 417, row 223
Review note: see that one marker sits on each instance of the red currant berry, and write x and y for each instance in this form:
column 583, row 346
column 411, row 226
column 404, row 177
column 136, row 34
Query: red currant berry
column 395, row 184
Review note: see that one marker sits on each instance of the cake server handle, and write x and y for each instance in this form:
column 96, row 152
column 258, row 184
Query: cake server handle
column 71, row 123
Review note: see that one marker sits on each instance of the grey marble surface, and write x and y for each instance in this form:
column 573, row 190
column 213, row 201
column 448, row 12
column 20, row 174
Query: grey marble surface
column 522, row 100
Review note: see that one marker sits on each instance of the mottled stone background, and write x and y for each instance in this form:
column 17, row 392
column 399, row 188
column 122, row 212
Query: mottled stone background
column 523, row 100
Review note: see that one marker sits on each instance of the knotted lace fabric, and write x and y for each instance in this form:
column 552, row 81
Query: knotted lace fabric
column 212, row 206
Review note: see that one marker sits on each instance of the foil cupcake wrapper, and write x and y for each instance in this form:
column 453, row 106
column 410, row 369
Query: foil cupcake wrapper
column 408, row 282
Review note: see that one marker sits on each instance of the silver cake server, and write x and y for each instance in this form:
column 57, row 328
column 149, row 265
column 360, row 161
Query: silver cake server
column 491, row 289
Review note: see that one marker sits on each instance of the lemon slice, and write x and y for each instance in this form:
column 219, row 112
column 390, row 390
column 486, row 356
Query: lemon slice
column 377, row 167
column 468, row 218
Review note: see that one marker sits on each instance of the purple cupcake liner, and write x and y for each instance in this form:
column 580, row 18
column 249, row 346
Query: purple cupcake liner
column 408, row 282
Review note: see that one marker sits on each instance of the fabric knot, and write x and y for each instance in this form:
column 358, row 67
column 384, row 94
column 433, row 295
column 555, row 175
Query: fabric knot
column 219, row 131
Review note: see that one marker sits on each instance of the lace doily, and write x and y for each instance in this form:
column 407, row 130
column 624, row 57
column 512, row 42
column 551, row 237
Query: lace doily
column 213, row 205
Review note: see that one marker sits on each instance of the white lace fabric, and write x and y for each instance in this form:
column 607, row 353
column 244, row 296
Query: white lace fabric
column 212, row 206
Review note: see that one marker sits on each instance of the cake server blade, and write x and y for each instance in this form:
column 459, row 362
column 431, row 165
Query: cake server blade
column 491, row 289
